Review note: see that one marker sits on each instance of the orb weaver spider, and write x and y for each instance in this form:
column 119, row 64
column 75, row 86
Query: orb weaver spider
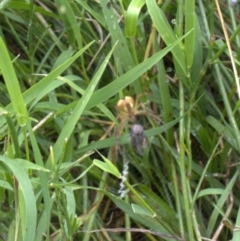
column 128, row 110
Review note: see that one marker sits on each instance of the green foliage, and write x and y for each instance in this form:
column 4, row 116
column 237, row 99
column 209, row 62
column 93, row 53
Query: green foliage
column 64, row 65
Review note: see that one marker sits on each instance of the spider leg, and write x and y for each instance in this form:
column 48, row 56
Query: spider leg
column 108, row 131
column 137, row 100
column 149, row 113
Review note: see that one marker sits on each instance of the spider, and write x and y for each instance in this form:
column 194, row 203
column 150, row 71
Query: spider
column 128, row 110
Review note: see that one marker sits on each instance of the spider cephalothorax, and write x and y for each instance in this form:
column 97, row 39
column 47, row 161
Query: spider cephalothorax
column 128, row 109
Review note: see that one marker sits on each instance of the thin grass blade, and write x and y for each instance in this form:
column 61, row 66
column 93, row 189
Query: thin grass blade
column 12, row 84
column 29, row 201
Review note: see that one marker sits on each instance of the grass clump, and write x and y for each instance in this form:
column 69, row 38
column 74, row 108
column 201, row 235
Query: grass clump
column 68, row 167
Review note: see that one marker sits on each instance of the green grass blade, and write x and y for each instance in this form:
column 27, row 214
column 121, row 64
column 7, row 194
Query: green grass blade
column 20, row 5
column 166, row 33
column 131, row 17
column 123, row 81
column 33, row 92
column 236, row 234
column 3, row 4
column 72, row 27
column 122, row 54
column 220, row 202
column 228, row 106
column 151, row 223
column 44, row 221
column 189, row 26
column 63, row 10
column 124, row 139
column 80, row 107
column 12, row 84
column 29, row 201
column 107, row 166
column 127, row 78
column 197, row 56
column 95, row 14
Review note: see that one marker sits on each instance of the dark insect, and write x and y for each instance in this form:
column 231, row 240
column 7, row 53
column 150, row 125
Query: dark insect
column 138, row 139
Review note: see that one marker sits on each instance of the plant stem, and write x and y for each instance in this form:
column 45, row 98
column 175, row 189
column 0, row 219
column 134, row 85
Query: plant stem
column 184, row 181
column 96, row 203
